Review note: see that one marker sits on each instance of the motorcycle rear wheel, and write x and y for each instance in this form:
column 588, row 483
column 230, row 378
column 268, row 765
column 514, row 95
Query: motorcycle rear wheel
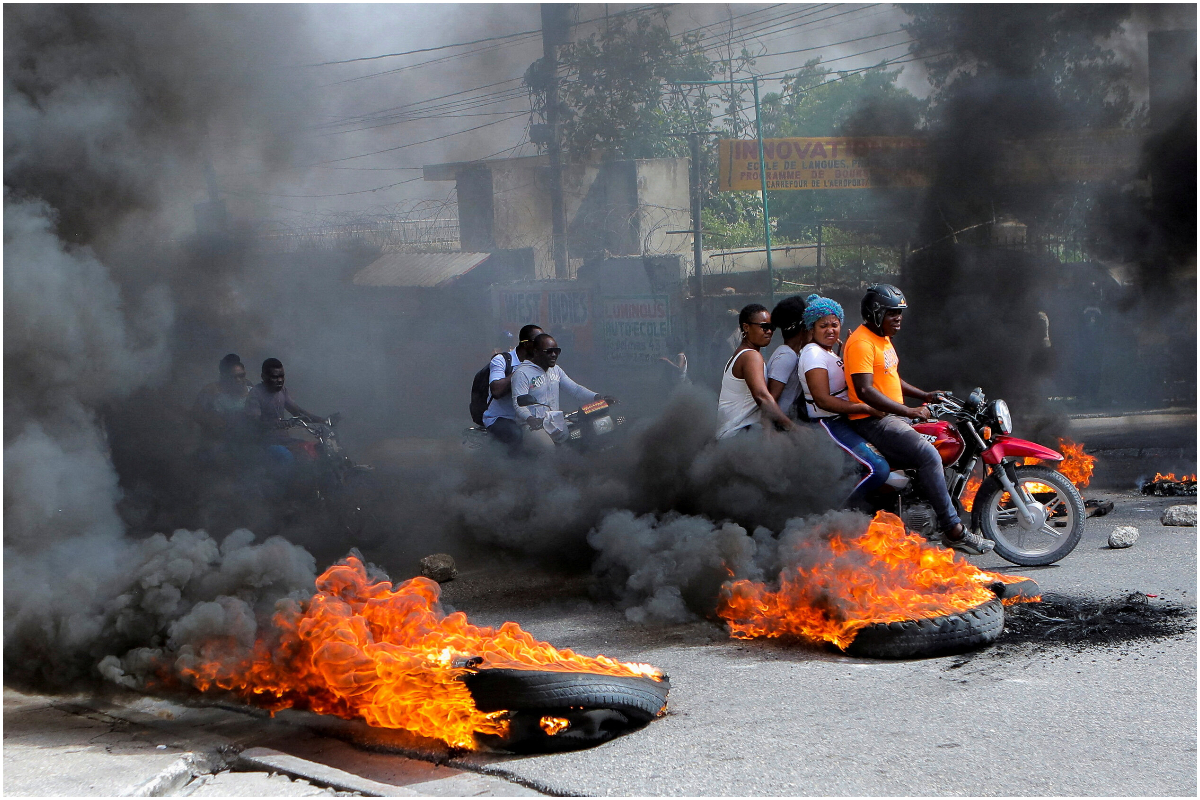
column 1050, row 542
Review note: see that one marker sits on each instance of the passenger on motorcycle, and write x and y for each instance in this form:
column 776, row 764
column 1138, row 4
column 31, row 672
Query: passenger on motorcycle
column 823, row 381
column 542, row 378
column 265, row 408
column 783, row 380
column 220, row 406
column 873, row 378
column 745, row 399
column 499, row 418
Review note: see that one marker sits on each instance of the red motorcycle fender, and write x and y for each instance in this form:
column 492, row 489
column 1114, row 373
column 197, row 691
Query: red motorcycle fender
column 1007, row 446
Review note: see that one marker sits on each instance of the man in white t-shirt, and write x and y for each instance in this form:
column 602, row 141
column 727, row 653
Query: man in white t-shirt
column 542, row 378
column 783, row 379
column 499, row 418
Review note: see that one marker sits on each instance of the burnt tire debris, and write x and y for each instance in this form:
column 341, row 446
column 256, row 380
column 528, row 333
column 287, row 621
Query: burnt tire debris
column 1082, row 623
column 558, row 711
column 933, row 636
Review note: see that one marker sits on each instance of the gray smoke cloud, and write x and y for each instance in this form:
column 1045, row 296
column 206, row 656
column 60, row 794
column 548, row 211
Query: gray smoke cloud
column 106, row 111
column 111, row 114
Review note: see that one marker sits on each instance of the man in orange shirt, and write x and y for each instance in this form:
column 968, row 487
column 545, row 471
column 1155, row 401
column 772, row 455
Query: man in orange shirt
column 873, row 377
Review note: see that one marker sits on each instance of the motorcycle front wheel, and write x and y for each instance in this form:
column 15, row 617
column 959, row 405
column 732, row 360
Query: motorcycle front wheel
column 1052, row 535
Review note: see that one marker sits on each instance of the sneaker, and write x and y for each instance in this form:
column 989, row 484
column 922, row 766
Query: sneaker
column 970, row 543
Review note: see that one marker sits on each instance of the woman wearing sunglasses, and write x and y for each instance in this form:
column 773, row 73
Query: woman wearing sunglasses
column 745, row 399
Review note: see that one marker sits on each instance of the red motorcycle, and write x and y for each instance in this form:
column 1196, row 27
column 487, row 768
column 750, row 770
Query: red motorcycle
column 1032, row 513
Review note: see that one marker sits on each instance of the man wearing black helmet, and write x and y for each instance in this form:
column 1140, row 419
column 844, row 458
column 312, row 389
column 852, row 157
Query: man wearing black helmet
column 873, row 377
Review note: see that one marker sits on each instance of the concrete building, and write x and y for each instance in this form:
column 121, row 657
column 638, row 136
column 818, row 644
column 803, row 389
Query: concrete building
column 614, row 208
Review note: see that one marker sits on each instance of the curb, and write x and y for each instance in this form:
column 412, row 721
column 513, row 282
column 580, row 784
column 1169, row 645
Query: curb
column 264, row 759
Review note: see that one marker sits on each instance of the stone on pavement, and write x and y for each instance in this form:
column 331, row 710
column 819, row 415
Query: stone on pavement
column 1122, row 536
column 439, row 567
column 1180, row 516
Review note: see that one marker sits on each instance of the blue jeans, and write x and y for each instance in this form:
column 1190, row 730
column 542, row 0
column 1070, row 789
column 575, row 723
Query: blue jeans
column 840, row 430
column 900, row 444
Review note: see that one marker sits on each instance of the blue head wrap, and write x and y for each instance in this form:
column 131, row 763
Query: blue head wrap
column 818, row 307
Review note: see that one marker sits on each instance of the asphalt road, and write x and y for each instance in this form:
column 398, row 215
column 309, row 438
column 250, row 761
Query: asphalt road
column 763, row 718
column 1024, row 717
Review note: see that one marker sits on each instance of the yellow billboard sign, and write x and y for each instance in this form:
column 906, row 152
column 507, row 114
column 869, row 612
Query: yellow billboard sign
column 835, row 162
column 872, row 162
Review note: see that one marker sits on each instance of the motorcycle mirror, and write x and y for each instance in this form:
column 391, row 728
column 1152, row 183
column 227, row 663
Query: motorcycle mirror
column 526, row 400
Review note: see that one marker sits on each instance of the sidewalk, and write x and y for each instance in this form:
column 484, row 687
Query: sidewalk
column 142, row 746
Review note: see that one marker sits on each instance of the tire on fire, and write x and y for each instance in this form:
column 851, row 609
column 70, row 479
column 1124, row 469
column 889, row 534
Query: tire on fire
column 596, row 707
column 933, row 636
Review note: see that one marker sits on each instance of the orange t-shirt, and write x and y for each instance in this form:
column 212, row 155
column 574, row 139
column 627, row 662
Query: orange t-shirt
column 866, row 352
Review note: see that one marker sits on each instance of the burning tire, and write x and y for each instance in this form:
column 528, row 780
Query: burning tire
column 1051, row 536
column 934, row 636
column 1021, row 590
column 566, row 710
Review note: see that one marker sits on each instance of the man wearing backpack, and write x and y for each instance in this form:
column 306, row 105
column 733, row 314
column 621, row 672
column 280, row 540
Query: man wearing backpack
column 498, row 417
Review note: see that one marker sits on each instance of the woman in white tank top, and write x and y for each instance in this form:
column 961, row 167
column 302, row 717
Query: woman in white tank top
column 745, row 399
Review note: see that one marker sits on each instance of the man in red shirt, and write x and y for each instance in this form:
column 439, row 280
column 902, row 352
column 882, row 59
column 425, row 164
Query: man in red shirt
column 873, row 377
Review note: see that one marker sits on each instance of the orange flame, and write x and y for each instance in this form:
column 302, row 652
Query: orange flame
column 361, row 649
column 553, row 725
column 1170, row 476
column 884, row 575
column 1076, row 466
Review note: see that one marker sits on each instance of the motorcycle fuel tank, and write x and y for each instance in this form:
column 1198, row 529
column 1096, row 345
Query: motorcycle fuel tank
column 943, row 436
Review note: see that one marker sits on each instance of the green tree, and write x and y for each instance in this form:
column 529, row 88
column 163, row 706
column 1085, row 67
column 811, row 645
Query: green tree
column 615, row 92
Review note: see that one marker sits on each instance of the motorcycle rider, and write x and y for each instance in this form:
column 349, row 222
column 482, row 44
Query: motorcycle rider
column 498, row 418
column 542, row 378
column 745, row 399
column 265, row 407
column 220, row 405
column 823, row 382
column 783, row 379
column 873, row 377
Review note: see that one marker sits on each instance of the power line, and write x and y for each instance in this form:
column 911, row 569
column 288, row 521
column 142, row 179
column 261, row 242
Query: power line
column 832, row 44
column 424, row 141
column 426, row 49
column 339, row 194
column 512, row 36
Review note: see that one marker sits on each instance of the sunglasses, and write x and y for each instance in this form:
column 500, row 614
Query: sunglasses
column 551, row 351
column 767, row 327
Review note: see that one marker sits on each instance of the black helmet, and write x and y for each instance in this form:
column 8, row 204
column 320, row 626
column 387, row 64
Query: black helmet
column 881, row 297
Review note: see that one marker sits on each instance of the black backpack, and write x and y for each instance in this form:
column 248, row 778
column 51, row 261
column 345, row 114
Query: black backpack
column 481, row 388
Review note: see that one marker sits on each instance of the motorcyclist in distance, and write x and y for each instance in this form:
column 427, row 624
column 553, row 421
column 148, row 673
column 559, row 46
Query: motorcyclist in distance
column 265, row 408
column 873, row 378
column 542, row 378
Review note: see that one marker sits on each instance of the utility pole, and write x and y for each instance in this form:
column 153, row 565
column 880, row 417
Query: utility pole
column 762, row 170
column 697, row 228
column 762, row 174
column 696, row 193
column 554, row 33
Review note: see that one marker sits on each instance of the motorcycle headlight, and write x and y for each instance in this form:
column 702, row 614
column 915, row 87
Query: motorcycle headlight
column 1003, row 418
column 603, row 425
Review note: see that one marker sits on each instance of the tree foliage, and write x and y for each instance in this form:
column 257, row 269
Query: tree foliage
column 615, row 91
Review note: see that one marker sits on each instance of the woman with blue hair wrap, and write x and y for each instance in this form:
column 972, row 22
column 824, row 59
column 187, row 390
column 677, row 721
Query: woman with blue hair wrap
column 823, row 380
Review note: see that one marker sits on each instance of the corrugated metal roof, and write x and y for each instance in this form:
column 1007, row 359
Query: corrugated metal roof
column 428, row 270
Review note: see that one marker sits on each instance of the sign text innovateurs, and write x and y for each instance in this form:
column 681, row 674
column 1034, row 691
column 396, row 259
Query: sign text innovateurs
column 823, row 163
